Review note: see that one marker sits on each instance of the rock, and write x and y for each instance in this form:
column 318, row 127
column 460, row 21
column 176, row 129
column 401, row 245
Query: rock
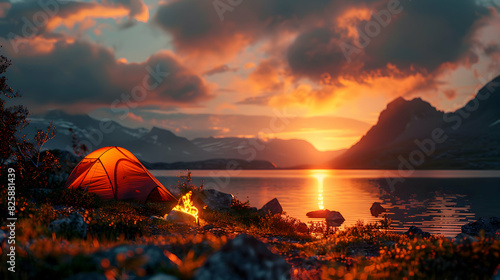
column 496, row 274
column 181, row 217
column 72, row 226
column 302, row 227
column 214, row 199
column 87, row 276
column 208, row 227
column 318, row 214
column 3, row 236
column 334, row 219
column 156, row 218
column 273, row 207
column 489, row 226
column 163, row 276
column 463, row 238
column 130, row 257
column 244, row 257
column 414, row 231
column 377, row 209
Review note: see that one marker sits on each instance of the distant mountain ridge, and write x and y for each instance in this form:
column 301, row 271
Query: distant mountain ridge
column 285, row 153
column 414, row 134
column 162, row 146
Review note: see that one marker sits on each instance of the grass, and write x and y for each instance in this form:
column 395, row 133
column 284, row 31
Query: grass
column 363, row 251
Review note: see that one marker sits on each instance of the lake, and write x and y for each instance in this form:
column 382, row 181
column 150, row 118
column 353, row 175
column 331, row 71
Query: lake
column 439, row 202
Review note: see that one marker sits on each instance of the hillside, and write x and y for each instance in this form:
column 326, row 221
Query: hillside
column 414, row 134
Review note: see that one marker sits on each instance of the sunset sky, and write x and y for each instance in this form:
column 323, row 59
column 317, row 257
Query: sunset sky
column 330, row 65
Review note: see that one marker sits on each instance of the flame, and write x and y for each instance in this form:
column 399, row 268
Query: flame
column 186, row 205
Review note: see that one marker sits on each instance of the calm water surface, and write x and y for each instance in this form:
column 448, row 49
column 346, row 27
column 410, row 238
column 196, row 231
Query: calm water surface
column 436, row 201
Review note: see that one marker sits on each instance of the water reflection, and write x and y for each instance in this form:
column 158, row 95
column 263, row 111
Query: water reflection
column 437, row 201
column 320, row 176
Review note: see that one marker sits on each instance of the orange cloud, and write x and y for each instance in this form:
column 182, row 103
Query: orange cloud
column 349, row 20
column 89, row 11
column 4, row 8
column 93, row 10
column 135, row 117
column 38, row 44
column 225, row 107
column 328, row 98
column 249, row 65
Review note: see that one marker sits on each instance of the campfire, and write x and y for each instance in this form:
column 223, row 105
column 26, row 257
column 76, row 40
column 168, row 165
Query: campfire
column 186, row 205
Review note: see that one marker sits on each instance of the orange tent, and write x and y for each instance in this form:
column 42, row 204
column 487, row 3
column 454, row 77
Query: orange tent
column 115, row 173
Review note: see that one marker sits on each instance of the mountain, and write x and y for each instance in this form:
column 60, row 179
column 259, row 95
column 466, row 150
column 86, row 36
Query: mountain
column 283, row 153
column 414, row 134
column 211, row 164
column 157, row 145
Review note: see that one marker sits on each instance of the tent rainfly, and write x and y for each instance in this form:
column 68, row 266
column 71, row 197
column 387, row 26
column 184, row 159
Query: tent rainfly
column 115, row 173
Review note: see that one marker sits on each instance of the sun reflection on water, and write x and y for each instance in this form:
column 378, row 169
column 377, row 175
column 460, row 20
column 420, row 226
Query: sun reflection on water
column 320, row 176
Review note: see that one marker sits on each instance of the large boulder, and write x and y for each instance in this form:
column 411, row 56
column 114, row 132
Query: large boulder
column 463, row 238
column 180, row 217
column 301, row 227
column 414, row 231
column 318, row 214
column 72, row 226
column 334, row 219
column 273, row 207
column 377, row 209
column 214, row 199
column 132, row 257
column 488, row 226
column 244, row 257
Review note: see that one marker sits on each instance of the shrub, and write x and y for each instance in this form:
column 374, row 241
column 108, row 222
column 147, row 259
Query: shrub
column 76, row 198
column 186, row 184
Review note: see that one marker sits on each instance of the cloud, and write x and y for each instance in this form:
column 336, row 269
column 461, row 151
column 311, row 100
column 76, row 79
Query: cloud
column 426, row 34
column 450, row 94
column 220, row 69
column 423, row 36
column 267, row 76
column 29, row 18
column 293, row 49
column 316, row 52
column 135, row 117
column 57, row 72
column 419, row 40
column 4, row 8
column 329, row 97
column 256, row 100
column 197, row 28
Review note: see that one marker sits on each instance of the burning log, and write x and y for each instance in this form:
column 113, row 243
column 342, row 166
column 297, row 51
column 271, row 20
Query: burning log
column 184, row 211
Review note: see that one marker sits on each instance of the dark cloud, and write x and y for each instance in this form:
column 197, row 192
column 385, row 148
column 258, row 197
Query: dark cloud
column 28, row 18
column 316, row 52
column 196, row 23
column 426, row 34
column 86, row 73
column 421, row 38
column 492, row 49
column 220, row 69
